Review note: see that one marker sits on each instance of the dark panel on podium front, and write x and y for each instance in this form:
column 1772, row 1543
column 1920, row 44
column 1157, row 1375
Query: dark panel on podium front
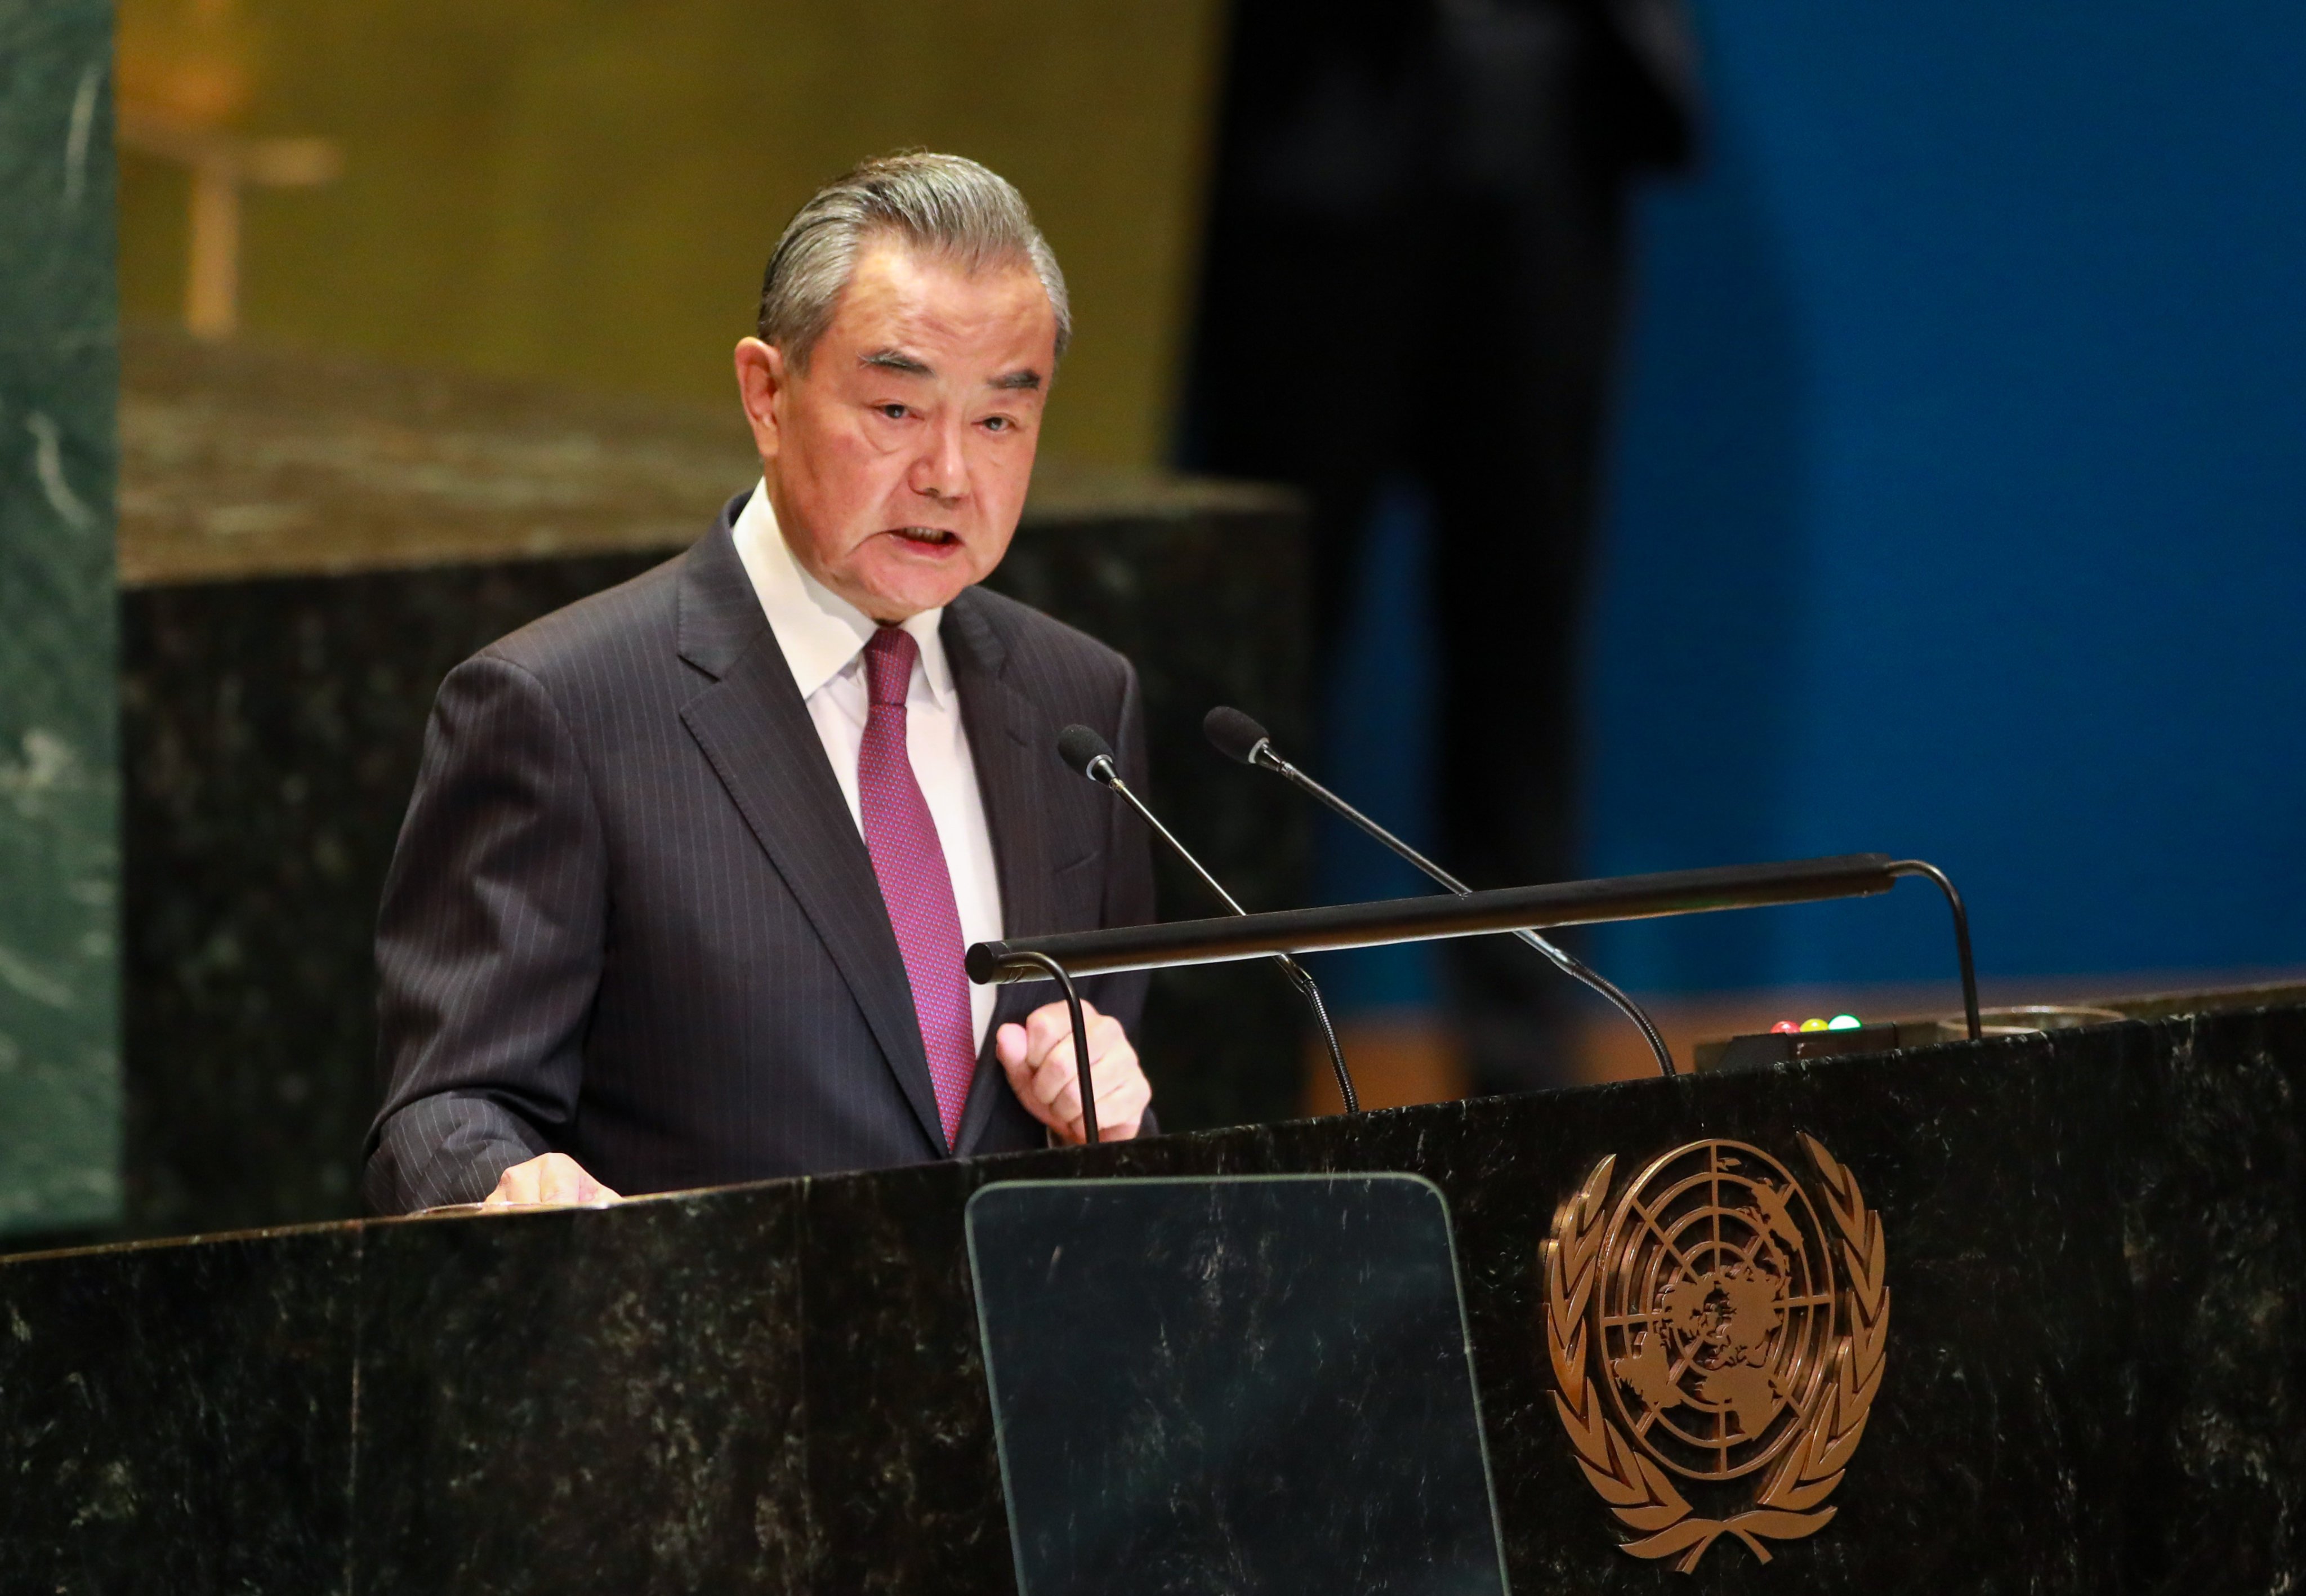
column 1255, row 1383
column 631, row 1400
column 179, row 1418
column 272, row 729
column 2095, row 1376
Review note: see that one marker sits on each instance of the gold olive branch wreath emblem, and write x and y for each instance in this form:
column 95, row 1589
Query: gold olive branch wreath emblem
column 1791, row 1504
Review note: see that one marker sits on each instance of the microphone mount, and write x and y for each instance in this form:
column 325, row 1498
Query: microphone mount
column 1238, row 737
column 1086, row 752
column 1426, row 920
column 1027, row 958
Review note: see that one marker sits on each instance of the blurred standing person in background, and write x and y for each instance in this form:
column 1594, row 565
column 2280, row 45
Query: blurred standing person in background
column 1415, row 267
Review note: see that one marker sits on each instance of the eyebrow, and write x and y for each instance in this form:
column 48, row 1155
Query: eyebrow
column 1024, row 380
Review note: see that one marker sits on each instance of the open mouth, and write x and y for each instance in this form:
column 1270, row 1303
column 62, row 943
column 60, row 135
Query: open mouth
column 928, row 537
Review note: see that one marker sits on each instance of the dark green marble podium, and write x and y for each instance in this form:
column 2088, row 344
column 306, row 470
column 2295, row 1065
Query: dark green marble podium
column 2095, row 1376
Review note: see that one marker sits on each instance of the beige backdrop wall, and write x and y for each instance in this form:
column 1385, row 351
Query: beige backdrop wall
column 588, row 191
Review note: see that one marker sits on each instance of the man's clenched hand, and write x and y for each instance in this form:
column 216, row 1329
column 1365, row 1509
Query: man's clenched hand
column 551, row 1180
column 1038, row 1057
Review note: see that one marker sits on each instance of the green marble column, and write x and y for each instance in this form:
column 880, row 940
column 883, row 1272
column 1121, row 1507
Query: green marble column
column 60, row 1112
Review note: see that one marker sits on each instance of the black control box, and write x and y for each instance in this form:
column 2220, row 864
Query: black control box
column 1761, row 1051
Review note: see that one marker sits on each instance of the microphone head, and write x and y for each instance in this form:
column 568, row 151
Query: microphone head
column 1081, row 748
column 1233, row 734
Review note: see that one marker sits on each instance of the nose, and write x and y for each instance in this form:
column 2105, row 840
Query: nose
column 940, row 471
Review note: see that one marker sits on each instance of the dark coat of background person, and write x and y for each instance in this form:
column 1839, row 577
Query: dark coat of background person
column 631, row 919
column 1415, row 267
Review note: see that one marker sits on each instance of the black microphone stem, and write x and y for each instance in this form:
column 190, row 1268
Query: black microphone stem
column 1083, row 1080
column 1568, row 963
column 1102, row 772
column 1929, row 871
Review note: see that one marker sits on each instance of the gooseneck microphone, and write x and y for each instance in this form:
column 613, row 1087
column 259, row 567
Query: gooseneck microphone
column 1089, row 755
column 1239, row 737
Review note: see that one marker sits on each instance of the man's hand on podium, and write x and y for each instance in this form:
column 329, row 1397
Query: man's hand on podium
column 1038, row 1057
column 551, row 1180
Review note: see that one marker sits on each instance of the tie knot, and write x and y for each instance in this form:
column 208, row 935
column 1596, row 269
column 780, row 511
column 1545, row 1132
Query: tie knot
column 888, row 664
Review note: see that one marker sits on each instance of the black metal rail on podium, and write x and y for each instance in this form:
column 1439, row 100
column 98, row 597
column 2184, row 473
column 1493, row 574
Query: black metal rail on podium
column 1507, row 910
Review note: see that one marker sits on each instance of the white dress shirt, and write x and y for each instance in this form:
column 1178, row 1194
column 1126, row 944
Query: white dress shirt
column 824, row 636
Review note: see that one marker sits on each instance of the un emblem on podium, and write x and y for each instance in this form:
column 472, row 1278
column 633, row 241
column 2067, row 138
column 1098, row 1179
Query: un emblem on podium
column 1716, row 1334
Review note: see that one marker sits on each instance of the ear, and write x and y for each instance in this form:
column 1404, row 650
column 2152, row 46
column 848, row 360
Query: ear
column 762, row 384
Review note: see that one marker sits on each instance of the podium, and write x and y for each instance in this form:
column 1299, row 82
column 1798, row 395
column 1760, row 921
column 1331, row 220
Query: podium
column 2072, row 1356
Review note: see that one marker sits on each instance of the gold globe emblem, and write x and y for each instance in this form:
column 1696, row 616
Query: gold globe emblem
column 1716, row 1308
column 1715, row 1326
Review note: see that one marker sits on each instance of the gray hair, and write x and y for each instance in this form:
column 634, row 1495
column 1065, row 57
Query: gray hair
column 943, row 204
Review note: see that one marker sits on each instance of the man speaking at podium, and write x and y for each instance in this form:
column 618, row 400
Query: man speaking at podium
column 684, row 887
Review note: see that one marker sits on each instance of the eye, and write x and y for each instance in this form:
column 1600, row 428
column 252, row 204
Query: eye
column 999, row 423
column 893, row 411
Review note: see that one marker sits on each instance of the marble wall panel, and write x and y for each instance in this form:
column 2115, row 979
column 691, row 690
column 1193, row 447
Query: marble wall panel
column 59, row 1051
column 272, row 732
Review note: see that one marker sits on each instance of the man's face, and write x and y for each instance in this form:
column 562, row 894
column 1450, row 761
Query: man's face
column 898, row 461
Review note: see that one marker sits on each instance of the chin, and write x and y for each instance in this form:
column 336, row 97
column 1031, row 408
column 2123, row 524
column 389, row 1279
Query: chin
column 912, row 594
column 903, row 577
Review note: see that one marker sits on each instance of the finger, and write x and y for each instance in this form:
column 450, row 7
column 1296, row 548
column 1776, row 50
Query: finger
column 516, row 1188
column 1121, row 1090
column 1048, row 1025
column 1052, row 1069
column 1058, row 1087
column 1122, row 1095
column 1124, row 1116
column 560, row 1180
column 1113, row 1060
column 1024, row 1075
column 1052, row 1023
column 1061, row 1107
column 565, row 1182
column 1029, row 1077
column 1109, row 1044
column 1115, row 1086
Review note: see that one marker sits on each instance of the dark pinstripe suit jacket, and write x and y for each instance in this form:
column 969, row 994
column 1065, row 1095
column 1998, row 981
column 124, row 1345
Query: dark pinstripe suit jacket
column 630, row 919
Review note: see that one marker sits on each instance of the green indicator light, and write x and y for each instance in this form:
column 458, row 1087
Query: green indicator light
column 1843, row 1022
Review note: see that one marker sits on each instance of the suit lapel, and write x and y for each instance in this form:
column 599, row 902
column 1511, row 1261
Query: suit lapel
column 756, row 733
column 1010, row 740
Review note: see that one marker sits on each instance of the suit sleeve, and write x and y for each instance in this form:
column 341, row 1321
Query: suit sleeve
column 489, row 944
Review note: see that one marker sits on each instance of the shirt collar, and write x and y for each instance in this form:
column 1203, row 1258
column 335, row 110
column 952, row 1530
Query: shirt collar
column 820, row 633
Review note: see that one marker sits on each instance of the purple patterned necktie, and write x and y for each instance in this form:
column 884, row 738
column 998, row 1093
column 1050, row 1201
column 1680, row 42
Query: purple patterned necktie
column 915, row 884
